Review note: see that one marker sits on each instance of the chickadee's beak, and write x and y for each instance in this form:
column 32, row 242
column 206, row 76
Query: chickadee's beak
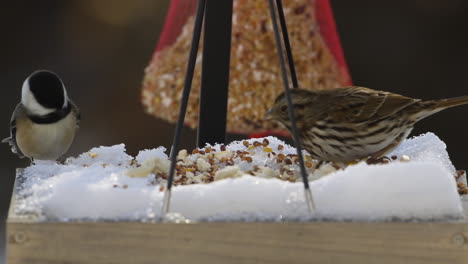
column 268, row 115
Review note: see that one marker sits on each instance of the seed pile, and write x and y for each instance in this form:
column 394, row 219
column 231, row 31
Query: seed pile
column 266, row 157
column 254, row 72
column 255, row 157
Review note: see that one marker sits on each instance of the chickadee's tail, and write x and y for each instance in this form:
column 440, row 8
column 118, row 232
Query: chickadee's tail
column 14, row 148
column 7, row 140
column 10, row 142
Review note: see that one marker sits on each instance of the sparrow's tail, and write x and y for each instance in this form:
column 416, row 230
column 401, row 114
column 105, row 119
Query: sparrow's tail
column 450, row 102
column 434, row 106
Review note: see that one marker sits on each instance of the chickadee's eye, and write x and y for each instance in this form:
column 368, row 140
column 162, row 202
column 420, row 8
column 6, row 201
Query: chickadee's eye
column 284, row 108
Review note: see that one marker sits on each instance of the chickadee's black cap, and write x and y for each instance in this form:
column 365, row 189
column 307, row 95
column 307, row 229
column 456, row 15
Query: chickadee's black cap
column 47, row 88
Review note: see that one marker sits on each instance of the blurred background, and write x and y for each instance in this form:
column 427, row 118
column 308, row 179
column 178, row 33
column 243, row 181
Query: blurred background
column 101, row 48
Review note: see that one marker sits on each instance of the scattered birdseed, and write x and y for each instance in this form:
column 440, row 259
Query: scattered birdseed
column 182, row 154
column 405, row 158
column 267, row 149
column 257, row 144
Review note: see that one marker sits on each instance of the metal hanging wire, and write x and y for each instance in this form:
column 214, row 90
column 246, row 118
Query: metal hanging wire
column 291, row 112
column 287, row 45
column 183, row 106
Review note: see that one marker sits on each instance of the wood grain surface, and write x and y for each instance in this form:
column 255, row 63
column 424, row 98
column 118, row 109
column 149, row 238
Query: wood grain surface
column 315, row 242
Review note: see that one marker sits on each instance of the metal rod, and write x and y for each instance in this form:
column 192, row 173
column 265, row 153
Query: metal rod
column 215, row 72
column 183, row 104
column 292, row 117
column 287, row 45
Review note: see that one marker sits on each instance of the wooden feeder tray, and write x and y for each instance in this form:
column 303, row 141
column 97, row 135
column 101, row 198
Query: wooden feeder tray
column 31, row 240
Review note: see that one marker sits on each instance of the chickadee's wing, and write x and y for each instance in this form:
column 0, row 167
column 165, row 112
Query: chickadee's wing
column 19, row 110
column 77, row 112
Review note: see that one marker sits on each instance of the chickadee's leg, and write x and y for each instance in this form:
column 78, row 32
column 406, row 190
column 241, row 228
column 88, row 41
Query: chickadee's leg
column 61, row 160
column 32, row 162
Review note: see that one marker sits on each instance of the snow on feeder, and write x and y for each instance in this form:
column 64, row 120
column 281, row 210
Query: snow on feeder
column 102, row 205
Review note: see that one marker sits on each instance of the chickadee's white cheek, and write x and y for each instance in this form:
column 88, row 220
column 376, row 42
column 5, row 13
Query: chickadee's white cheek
column 65, row 95
column 31, row 104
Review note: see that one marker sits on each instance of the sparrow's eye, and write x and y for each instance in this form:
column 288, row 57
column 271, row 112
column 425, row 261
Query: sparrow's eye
column 284, row 109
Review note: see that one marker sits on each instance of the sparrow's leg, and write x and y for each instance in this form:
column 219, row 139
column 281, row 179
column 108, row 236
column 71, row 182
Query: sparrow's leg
column 319, row 164
column 381, row 153
column 383, row 159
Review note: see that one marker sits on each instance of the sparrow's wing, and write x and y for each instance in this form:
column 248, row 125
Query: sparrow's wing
column 19, row 110
column 363, row 105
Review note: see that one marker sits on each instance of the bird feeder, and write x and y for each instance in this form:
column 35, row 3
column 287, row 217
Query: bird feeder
column 246, row 61
column 252, row 73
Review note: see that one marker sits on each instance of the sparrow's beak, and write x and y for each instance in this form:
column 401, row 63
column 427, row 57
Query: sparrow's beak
column 268, row 115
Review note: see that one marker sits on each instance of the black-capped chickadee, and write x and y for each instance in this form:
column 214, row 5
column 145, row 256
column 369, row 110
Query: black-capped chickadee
column 44, row 123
